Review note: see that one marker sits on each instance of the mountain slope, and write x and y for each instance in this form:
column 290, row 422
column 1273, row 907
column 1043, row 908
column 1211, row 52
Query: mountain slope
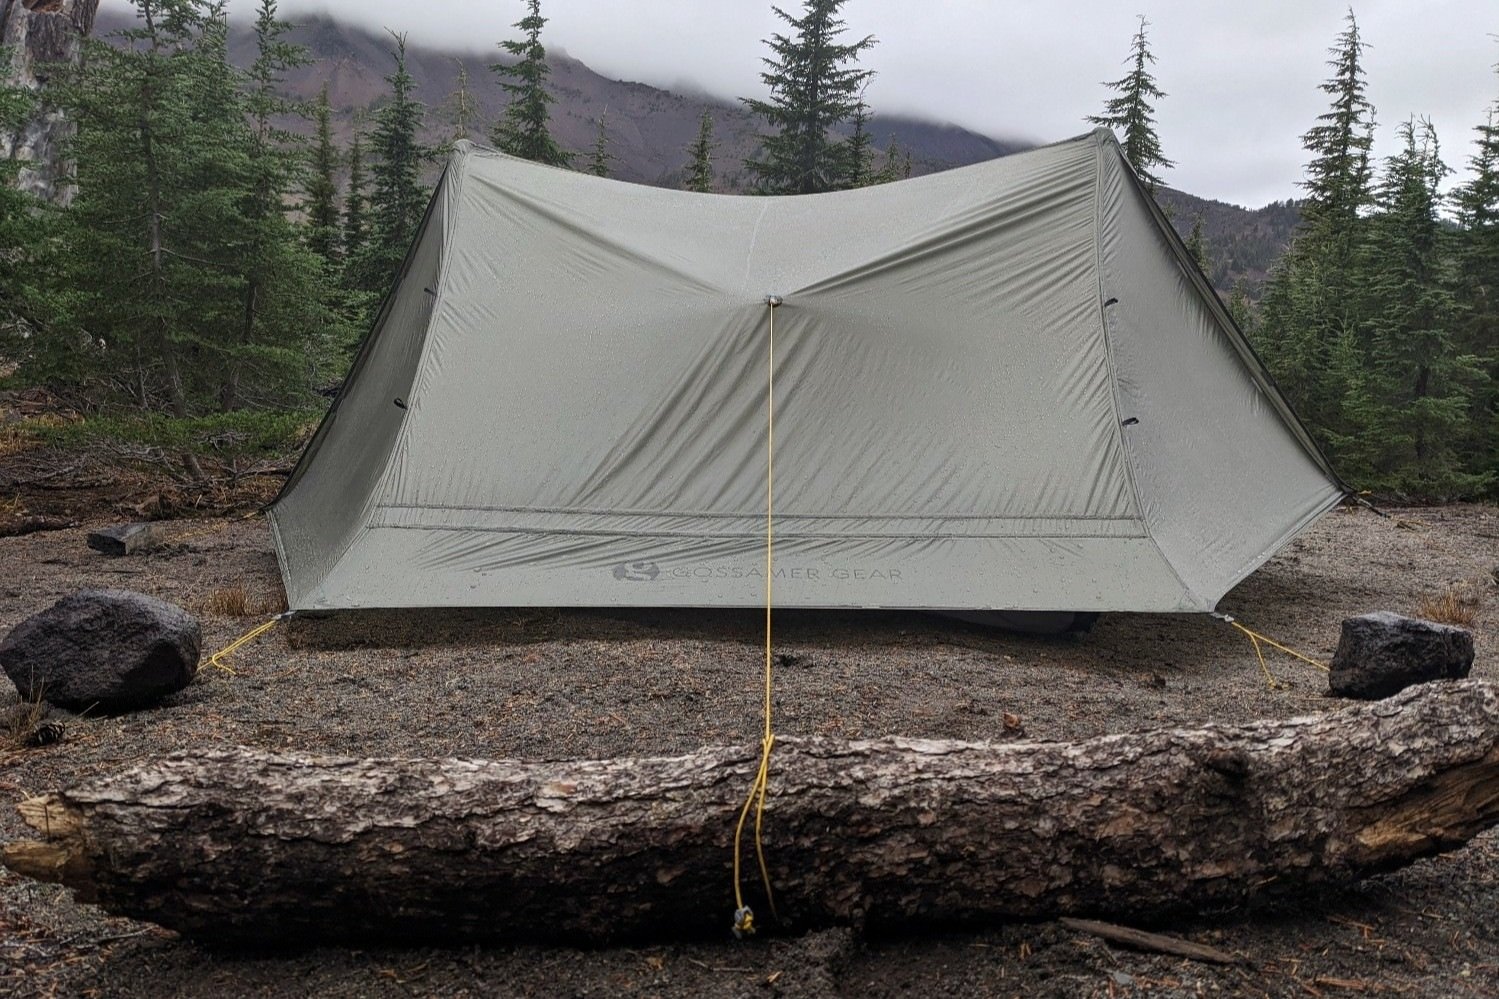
column 1242, row 245
column 649, row 128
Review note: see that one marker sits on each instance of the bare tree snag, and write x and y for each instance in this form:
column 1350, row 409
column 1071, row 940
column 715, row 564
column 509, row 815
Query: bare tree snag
column 245, row 847
column 36, row 37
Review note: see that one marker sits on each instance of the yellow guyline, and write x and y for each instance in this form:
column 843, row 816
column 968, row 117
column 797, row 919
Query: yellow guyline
column 744, row 917
column 1256, row 639
column 216, row 660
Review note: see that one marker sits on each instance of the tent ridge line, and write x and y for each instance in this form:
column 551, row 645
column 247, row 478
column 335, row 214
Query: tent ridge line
column 944, row 241
column 550, row 211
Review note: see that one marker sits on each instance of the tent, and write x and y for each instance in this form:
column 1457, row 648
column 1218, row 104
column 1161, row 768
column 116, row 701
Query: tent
column 1001, row 387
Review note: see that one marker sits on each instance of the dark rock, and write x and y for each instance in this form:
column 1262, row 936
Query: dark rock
column 1381, row 654
column 109, row 650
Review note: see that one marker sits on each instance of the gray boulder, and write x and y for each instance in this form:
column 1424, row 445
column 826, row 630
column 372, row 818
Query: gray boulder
column 1381, row 654
column 107, row 650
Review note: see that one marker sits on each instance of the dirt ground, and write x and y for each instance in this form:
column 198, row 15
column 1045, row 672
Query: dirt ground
column 575, row 683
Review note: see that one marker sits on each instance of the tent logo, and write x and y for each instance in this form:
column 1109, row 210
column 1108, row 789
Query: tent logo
column 637, row 572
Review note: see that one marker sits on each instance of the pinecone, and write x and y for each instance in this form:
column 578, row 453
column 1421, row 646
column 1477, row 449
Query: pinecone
column 46, row 733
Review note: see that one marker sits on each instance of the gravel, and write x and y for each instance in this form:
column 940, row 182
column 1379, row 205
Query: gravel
column 584, row 683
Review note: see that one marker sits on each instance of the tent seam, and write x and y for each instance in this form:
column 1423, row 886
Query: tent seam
column 749, row 255
column 281, row 561
column 718, row 515
column 584, row 532
column 1103, row 324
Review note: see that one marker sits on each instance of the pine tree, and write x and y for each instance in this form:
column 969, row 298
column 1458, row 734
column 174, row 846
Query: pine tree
column 283, row 290
column 1242, row 311
column 1296, row 337
column 522, row 131
column 1478, row 200
column 355, row 213
column 897, row 165
column 218, row 206
column 398, row 198
column 1308, row 312
column 1338, row 177
column 700, row 156
column 1197, row 245
column 1477, row 255
column 599, row 160
column 322, row 186
column 355, row 305
column 142, row 288
column 1132, row 112
column 814, row 86
column 859, row 149
column 1408, row 403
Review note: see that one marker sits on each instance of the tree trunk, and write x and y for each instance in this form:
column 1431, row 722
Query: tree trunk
column 245, row 847
column 39, row 35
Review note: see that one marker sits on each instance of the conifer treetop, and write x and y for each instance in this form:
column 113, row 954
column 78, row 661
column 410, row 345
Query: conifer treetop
column 814, row 85
column 522, row 130
column 1132, row 112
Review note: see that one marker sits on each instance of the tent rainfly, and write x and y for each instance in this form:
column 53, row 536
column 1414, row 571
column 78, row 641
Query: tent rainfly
column 1002, row 387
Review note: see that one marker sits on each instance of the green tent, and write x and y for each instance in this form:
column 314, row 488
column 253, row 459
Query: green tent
column 1000, row 387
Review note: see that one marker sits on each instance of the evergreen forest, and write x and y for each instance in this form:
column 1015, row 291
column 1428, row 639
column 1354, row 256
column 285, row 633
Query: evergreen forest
column 216, row 269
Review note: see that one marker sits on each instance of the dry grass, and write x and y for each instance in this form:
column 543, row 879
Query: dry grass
column 275, row 603
column 235, row 601
column 20, row 725
column 1456, row 604
column 59, row 418
column 14, row 440
column 226, row 601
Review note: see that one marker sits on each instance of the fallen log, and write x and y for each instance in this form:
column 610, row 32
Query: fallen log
column 34, row 525
column 246, row 847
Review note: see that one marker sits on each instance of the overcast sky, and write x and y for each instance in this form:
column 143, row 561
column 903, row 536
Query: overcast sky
column 1241, row 75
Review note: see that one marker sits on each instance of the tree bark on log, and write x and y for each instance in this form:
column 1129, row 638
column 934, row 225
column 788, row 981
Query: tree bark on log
column 251, row 848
